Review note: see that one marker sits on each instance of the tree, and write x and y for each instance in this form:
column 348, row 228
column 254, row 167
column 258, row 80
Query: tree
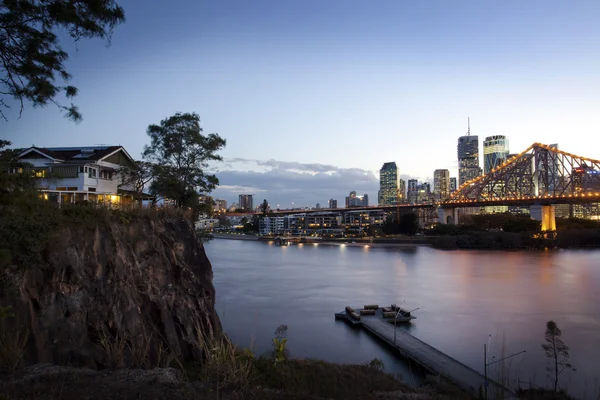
column 180, row 154
column 14, row 188
column 409, row 224
column 30, row 52
column 206, row 206
column 137, row 177
column 556, row 351
column 264, row 207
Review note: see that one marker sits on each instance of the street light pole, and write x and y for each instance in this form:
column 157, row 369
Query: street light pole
column 485, row 365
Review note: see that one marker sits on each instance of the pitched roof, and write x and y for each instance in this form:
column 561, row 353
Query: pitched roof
column 91, row 153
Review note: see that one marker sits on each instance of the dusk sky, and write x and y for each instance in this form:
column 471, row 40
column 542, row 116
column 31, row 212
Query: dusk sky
column 314, row 96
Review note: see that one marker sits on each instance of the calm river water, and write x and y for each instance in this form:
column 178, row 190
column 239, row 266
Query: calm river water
column 462, row 296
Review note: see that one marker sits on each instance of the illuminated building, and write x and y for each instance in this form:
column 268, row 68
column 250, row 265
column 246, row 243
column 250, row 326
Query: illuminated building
column 83, row 174
column 495, row 152
column 468, row 157
column 441, row 184
column 357, row 201
column 220, row 205
column 388, row 184
column 453, row 185
column 246, row 201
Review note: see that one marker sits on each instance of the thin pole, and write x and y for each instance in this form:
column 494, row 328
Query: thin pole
column 395, row 319
column 485, row 382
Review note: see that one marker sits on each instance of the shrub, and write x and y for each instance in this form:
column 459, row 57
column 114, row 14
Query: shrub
column 12, row 342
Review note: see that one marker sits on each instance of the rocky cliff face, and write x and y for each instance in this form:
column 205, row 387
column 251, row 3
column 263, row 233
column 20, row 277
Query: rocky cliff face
column 115, row 294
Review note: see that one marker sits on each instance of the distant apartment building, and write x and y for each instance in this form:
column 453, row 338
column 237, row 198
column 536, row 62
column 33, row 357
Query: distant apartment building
column 363, row 219
column 441, row 184
column 332, row 203
column 468, row 157
column 357, row 201
column 246, row 202
column 495, row 152
column 318, row 206
column 388, row 184
column 220, row 205
column 271, row 225
column 453, row 185
column 207, row 223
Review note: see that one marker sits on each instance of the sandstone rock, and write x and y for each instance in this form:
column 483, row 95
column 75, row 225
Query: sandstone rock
column 142, row 289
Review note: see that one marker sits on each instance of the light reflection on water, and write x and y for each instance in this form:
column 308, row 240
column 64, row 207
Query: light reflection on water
column 463, row 297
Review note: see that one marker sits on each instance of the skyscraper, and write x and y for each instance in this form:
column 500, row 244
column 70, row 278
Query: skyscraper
column 441, row 184
column 411, row 191
column 332, row 203
column 245, row 201
column 401, row 191
column 495, row 152
column 388, row 184
column 453, row 185
column 468, row 157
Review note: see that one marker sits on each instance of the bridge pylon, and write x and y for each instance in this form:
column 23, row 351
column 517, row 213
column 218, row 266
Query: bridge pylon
column 545, row 214
column 448, row 216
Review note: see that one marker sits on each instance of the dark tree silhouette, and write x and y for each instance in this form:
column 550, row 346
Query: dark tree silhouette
column 264, row 207
column 556, row 351
column 409, row 224
column 30, row 53
column 137, row 177
column 181, row 154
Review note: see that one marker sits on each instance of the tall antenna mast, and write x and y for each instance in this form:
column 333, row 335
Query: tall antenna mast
column 468, row 126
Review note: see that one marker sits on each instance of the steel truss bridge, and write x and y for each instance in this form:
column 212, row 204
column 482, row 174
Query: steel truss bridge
column 541, row 176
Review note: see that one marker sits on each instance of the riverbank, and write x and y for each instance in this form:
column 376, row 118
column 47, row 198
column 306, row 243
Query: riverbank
column 233, row 236
column 349, row 242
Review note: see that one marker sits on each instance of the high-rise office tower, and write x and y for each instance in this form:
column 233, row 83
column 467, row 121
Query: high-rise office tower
column 388, row 184
column 401, row 191
column 495, row 152
column 468, row 157
column 441, row 184
column 453, row 185
column 246, row 202
column 411, row 191
column 332, row 203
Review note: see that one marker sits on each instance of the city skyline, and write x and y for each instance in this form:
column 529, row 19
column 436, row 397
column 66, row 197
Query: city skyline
column 397, row 81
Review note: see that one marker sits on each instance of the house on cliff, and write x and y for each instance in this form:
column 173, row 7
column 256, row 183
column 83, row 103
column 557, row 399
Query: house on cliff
column 73, row 174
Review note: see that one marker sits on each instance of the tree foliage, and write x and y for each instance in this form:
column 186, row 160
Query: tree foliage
column 264, row 207
column 137, row 177
column 408, row 225
column 556, row 351
column 14, row 188
column 181, row 154
column 31, row 55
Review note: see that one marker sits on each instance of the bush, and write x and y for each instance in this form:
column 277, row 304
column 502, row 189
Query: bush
column 224, row 366
column 12, row 342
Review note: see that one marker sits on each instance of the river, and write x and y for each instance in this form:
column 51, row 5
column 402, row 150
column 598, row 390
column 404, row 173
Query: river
column 462, row 296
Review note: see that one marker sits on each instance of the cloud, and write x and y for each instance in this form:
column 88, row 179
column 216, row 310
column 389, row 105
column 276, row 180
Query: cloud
column 284, row 182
